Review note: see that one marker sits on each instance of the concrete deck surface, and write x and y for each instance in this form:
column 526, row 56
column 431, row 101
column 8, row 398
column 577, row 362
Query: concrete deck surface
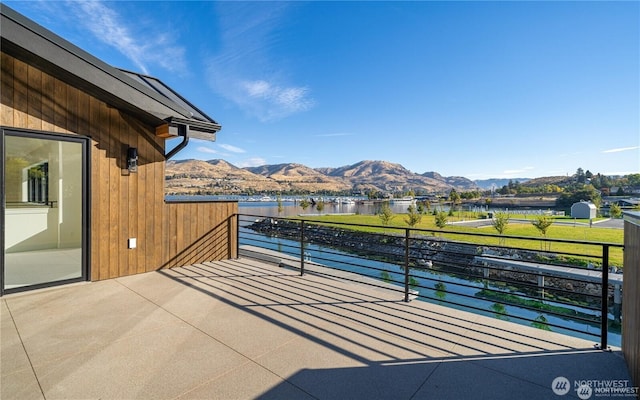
column 246, row 329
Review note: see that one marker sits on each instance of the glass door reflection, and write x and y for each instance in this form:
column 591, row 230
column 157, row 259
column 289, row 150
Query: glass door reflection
column 44, row 195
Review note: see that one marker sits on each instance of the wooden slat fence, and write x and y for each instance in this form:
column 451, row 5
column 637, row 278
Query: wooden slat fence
column 631, row 295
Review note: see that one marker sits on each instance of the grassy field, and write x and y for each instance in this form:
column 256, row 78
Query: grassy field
column 578, row 232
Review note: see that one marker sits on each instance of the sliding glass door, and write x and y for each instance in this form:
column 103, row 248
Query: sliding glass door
column 45, row 203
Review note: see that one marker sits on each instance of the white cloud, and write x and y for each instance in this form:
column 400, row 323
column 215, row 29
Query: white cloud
column 232, row 149
column 243, row 72
column 293, row 98
column 207, row 150
column 259, row 89
column 252, row 162
column 144, row 45
column 272, row 101
column 618, row 150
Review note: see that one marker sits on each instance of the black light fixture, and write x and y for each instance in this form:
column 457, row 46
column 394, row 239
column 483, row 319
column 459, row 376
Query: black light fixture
column 132, row 159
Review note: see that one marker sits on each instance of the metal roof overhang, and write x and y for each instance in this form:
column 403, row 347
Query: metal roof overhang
column 179, row 127
column 31, row 43
column 197, row 129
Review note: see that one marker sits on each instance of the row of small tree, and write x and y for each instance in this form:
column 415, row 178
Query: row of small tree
column 501, row 220
column 413, row 217
column 304, row 203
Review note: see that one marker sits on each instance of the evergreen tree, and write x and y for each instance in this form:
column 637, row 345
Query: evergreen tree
column 615, row 211
column 304, row 204
column 454, row 197
column 580, row 176
column 413, row 217
column 441, row 219
column 280, row 206
column 500, row 222
column 542, row 224
column 576, row 193
column 385, row 214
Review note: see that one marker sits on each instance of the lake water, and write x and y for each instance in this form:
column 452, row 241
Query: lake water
column 291, row 207
column 270, row 208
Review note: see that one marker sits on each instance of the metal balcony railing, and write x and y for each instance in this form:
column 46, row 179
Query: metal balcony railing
column 552, row 284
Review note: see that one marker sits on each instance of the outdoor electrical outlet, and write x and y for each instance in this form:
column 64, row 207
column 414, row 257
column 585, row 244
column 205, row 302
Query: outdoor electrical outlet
column 132, row 243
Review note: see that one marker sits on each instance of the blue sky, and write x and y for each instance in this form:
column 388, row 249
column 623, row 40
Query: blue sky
column 474, row 89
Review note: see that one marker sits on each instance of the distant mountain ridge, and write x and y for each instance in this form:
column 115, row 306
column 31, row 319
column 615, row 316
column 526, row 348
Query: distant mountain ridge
column 219, row 176
column 381, row 176
column 455, row 181
column 488, row 183
column 550, row 180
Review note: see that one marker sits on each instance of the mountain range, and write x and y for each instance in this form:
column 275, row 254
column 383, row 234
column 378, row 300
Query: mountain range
column 219, row 176
column 497, row 183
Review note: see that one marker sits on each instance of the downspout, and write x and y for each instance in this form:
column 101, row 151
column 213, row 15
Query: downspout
column 183, row 130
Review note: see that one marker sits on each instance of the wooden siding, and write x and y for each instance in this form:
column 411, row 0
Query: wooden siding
column 122, row 205
column 631, row 296
column 191, row 240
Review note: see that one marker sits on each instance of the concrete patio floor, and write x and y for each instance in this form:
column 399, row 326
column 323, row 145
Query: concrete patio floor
column 246, row 329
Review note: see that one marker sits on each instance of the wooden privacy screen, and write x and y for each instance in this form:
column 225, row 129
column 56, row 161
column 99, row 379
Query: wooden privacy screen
column 631, row 295
column 199, row 232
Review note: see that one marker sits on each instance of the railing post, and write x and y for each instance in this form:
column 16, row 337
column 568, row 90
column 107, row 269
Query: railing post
column 237, row 236
column 604, row 311
column 407, row 234
column 301, row 247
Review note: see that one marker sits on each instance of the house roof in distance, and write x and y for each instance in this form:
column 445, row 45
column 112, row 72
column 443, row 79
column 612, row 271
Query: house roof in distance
column 145, row 97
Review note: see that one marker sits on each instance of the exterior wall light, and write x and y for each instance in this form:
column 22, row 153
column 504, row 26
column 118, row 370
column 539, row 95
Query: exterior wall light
column 132, row 159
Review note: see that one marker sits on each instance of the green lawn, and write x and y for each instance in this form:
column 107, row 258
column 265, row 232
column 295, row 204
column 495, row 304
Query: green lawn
column 579, row 232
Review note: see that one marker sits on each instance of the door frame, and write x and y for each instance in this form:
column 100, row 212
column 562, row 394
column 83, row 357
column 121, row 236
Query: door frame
column 86, row 201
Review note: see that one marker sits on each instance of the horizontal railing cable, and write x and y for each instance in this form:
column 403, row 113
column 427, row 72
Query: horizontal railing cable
column 551, row 283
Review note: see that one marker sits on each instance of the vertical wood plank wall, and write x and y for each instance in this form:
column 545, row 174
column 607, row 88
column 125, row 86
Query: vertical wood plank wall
column 631, row 295
column 191, row 239
column 122, row 205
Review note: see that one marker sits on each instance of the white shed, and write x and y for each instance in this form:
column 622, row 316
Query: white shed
column 583, row 210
